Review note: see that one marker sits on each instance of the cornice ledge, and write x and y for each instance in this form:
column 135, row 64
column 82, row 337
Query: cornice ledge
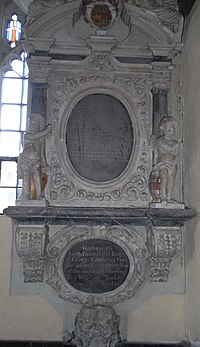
column 134, row 216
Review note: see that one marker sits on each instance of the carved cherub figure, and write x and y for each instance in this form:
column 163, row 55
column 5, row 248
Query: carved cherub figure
column 32, row 159
column 164, row 158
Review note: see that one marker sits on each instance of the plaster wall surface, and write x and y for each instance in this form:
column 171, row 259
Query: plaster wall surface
column 191, row 92
column 159, row 319
column 23, row 317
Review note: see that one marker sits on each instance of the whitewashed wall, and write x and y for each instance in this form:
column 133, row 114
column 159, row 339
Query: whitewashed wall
column 23, row 317
column 191, row 88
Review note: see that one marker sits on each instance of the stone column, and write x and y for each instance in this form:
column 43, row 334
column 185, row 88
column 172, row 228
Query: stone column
column 39, row 98
column 160, row 108
column 39, row 75
column 161, row 80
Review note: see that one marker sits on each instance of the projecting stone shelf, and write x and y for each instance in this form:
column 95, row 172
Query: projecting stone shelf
column 134, row 216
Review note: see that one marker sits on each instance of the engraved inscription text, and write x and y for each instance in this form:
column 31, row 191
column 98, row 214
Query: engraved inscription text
column 96, row 266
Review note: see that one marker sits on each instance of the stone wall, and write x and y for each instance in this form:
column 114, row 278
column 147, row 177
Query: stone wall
column 22, row 317
column 191, row 89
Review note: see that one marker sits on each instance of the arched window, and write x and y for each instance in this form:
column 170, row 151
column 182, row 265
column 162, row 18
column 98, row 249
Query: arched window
column 13, row 118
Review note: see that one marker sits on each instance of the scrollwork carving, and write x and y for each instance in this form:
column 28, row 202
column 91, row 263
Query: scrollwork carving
column 63, row 188
column 132, row 190
column 66, row 85
column 101, row 62
column 91, row 196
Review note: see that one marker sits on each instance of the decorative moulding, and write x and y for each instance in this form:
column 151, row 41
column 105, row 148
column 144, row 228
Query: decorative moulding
column 62, row 215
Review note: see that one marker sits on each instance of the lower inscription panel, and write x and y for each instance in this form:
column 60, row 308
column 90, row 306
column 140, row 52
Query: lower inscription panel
column 96, row 266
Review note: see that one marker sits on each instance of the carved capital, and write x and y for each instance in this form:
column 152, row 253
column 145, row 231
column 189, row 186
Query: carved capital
column 159, row 91
column 164, row 244
column 31, row 243
column 39, row 70
column 160, row 79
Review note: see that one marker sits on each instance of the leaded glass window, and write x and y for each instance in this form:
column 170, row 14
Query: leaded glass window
column 13, row 118
column 13, row 30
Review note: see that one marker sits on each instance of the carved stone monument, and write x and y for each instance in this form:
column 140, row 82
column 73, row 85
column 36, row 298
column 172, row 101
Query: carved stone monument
column 104, row 78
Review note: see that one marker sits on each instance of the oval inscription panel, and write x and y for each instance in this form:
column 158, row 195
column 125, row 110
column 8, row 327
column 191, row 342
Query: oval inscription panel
column 96, row 266
column 99, row 137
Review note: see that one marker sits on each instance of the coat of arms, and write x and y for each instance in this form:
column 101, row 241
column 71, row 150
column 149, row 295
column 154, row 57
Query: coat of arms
column 100, row 14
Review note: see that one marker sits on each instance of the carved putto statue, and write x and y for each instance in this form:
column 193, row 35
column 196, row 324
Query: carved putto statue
column 32, row 161
column 164, row 159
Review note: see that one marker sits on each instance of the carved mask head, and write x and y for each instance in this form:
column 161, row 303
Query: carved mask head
column 168, row 127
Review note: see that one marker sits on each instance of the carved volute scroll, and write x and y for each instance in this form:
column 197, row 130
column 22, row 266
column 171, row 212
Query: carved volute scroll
column 31, row 241
column 164, row 244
